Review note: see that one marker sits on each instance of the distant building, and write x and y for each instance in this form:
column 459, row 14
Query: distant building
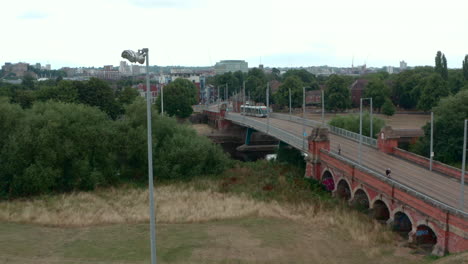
column 124, row 68
column 357, row 90
column 390, row 69
column 403, row 65
column 231, row 66
column 48, row 67
column 19, row 69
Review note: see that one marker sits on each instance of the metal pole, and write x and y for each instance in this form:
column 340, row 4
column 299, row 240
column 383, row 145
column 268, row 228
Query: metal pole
column 243, row 97
column 432, row 141
column 150, row 163
column 323, row 108
column 462, row 185
column 289, row 103
column 268, row 106
column 371, row 119
column 303, row 118
column 360, row 132
column 218, row 100
column 162, row 100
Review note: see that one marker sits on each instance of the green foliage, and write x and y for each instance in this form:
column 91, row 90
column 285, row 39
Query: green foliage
column 449, row 117
column 307, row 78
column 178, row 152
column 97, row 92
column 337, row 95
column 351, row 123
column 128, row 95
column 433, row 88
column 388, row 108
column 294, row 84
column 57, row 147
column 441, row 65
column 290, row 155
column 455, row 81
column 25, row 98
column 465, row 68
column 378, row 91
column 28, row 82
column 406, row 88
column 64, row 91
column 179, row 96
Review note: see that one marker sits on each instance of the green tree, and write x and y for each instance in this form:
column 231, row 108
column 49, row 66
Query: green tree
column 96, row 92
column 28, row 81
column 64, row 91
column 179, row 97
column 433, row 88
column 337, row 95
column 455, row 81
column 351, row 123
column 25, row 98
column 406, row 88
column 444, row 68
column 388, row 108
column 128, row 95
column 293, row 83
column 439, row 68
column 449, row 117
column 378, row 91
column 465, row 68
column 306, row 77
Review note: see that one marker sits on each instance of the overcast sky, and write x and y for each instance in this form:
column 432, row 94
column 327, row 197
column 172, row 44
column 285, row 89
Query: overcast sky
column 201, row 32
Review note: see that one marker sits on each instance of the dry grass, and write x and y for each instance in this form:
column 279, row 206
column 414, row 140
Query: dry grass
column 181, row 204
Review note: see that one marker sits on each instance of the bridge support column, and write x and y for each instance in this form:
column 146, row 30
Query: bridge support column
column 387, row 140
column 248, row 135
column 317, row 140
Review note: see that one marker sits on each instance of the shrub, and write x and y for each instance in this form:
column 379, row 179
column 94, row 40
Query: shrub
column 351, row 123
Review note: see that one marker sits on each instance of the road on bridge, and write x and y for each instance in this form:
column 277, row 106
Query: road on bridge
column 432, row 184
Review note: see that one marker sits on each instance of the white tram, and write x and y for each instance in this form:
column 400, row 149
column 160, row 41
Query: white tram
column 252, row 110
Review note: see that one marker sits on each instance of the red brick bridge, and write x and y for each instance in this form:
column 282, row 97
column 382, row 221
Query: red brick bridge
column 420, row 204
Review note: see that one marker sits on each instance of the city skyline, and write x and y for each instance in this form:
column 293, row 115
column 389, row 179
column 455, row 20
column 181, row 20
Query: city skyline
column 200, row 33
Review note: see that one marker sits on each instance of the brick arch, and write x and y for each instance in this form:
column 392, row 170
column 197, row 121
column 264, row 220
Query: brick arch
column 343, row 195
column 353, row 197
column 331, row 187
column 400, row 209
column 362, row 188
column 378, row 213
column 383, row 199
column 429, row 224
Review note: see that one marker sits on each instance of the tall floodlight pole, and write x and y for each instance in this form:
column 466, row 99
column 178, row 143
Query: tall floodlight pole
column 360, row 132
column 140, row 57
column 371, row 119
column 289, row 103
column 323, row 108
column 462, row 181
column 243, row 98
column 303, row 118
column 432, row 142
column 268, row 106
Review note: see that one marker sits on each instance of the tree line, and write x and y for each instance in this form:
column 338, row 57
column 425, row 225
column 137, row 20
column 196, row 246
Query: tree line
column 419, row 88
column 68, row 135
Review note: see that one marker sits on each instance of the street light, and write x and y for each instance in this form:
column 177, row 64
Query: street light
column 360, row 126
column 140, row 57
column 462, row 181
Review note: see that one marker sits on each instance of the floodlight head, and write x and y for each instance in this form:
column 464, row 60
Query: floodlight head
column 133, row 56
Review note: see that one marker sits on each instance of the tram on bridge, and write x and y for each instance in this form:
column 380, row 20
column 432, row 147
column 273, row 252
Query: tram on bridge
column 252, row 110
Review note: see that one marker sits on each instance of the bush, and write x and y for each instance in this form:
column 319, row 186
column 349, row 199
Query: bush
column 388, row 108
column 351, row 123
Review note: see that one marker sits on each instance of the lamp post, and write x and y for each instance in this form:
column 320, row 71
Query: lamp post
column 360, row 126
column 140, row 57
column 289, row 103
column 323, row 108
column 431, row 155
column 162, row 99
column 303, row 119
column 268, row 106
column 462, row 180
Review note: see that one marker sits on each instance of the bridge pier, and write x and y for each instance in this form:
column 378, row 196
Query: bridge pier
column 317, row 140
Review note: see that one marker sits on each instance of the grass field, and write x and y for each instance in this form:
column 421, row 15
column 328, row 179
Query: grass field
column 257, row 213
